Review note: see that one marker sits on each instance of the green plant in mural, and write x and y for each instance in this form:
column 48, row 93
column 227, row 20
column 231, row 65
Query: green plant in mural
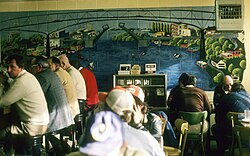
column 161, row 27
column 230, row 68
column 218, row 78
column 37, row 39
column 243, row 64
column 238, row 71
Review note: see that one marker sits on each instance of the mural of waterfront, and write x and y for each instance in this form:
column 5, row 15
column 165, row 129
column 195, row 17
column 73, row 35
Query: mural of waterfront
column 137, row 37
column 108, row 55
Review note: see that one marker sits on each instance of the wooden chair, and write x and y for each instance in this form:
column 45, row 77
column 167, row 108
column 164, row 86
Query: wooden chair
column 164, row 122
column 182, row 127
column 234, row 117
column 199, row 119
column 241, row 134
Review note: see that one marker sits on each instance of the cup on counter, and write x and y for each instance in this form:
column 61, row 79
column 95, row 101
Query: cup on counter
column 247, row 114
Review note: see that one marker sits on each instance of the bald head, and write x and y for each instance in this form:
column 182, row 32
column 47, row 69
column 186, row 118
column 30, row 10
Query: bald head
column 227, row 83
column 64, row 60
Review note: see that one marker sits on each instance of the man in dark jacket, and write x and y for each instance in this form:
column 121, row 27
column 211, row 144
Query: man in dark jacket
column 236, row 101
column 222, row 89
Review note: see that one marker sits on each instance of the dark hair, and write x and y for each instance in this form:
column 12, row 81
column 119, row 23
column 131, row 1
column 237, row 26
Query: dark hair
column 41, row 61
column 75, row 63
column 20, row 61
column 139, row 102
column 183, row 77
column 55, row 60
column 236, row 87
column 191, row 80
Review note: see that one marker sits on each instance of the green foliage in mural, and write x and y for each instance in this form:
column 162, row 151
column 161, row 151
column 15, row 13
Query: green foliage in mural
column 221, row 40
column 215, row 44
column 37, row 39
column 243, row 64
column 218, row 78
column 230, row 46
column 125, row 37
column 161, row 27
column 230, row 68
column 224, row 49
column 238, row 71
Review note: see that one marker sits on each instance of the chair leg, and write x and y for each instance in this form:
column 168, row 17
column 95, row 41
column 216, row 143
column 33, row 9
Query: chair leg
column 203, row 149
column 36, row 146
column 231, row 150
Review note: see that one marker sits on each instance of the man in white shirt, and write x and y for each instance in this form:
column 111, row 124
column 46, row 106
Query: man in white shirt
column 26, row 96
column 77, row 79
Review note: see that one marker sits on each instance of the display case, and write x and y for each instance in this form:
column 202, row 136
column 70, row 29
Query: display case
column 153, row 85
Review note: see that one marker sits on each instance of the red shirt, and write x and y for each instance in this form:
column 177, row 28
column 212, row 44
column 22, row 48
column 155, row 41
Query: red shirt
column 91, row 86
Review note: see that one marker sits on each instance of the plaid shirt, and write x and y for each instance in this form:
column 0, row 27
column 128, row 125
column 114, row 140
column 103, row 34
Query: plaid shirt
column 59, row 111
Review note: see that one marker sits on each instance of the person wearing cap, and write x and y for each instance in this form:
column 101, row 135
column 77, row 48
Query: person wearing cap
column 59, row 110
column 104, row 136
column 222, row 89
column 142, row 119
column 151, row 121
column 122, row 102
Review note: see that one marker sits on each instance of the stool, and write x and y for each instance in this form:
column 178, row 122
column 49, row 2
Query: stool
column 67, row 131
column 79, row 125
column 88, row 111
column 27, row 145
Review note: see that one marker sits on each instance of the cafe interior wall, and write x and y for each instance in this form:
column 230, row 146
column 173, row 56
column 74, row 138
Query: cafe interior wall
column 44, row 5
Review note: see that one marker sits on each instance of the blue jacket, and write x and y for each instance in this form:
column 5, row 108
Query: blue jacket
column 233, row 102
column 169, row 136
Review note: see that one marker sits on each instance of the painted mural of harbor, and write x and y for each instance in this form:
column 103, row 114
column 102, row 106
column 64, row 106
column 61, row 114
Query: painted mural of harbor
column 110, row 55
column 158, row 36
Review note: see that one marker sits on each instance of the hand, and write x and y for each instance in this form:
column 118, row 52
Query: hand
column 137, row 115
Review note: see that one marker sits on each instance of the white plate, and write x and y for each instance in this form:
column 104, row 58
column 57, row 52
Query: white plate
column 245, row 120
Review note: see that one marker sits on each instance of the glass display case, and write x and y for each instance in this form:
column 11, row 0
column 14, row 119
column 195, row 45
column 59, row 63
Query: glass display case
column 153, row 85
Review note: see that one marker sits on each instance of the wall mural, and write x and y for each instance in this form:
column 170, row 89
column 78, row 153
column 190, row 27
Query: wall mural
column 177, row 40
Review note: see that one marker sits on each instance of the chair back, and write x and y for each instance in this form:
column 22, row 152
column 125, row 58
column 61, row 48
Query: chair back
column 234, row 117
column 193, row 117
column 182, row 127
column 242, row 135
column 197, row 120
column 164, row 122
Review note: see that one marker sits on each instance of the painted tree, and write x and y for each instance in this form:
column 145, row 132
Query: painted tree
column 237, row 71
column 218, row 78
column 243, row 64
column 230, row 68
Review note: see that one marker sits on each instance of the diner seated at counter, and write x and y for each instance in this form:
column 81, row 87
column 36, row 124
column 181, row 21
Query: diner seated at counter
column 26, row 96
column 22, row 88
